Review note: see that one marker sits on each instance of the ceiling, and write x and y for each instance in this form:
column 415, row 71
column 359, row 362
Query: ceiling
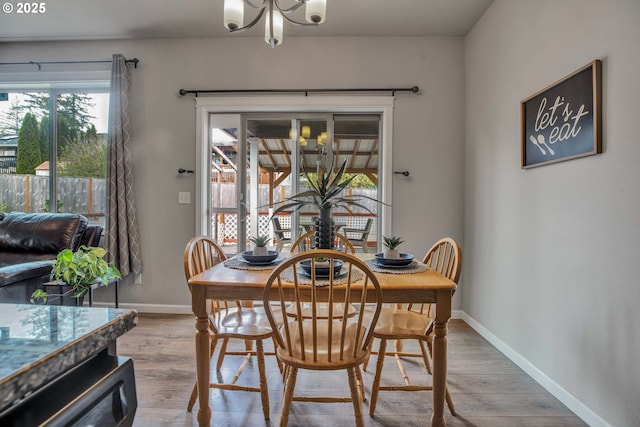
column 144, row 19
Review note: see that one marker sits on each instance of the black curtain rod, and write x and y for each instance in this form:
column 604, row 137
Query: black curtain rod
column 306, row 92
column 133, row 61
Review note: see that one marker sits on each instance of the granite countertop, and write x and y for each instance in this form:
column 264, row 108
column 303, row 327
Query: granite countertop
column 40, row 342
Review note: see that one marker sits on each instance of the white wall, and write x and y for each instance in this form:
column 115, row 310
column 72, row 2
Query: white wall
column 552, row 266
column 428, row 128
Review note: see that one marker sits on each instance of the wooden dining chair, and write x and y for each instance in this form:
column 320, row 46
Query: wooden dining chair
column 414, row 322
column 359, row 236
column 229, row 320
column 283, row 235
column 307, row 242
column 323, row 342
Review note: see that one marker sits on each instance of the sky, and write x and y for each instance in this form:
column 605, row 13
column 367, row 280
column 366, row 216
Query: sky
column 100, row 110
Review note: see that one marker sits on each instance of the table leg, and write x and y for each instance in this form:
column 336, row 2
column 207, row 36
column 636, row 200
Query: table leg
column 202, row 357
column 443, row 313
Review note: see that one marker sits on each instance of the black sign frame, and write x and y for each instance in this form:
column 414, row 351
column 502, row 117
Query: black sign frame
column 564, row 120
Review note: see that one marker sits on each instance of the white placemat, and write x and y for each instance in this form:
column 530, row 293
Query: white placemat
column 414, row 267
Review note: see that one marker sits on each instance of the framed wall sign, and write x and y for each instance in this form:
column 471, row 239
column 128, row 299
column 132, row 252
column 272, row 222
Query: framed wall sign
column 564, row 120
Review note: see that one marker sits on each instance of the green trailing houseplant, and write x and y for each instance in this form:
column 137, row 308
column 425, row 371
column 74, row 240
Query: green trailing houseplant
column 325, row 194
column 78, row 270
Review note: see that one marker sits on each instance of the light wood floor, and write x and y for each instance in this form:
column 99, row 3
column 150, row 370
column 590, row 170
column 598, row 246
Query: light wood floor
column 487, row 388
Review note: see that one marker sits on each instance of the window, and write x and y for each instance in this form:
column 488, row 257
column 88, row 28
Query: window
column 76, row 181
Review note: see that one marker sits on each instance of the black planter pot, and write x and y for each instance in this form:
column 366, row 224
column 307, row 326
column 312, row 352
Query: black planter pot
column 324, row 228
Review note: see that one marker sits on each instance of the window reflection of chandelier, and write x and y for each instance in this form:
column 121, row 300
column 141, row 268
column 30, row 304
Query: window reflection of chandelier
column 275, row 16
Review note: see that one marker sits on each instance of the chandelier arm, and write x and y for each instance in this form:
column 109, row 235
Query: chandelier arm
column 250, row 24
column 299, row 24
column 295, row 7
column 250, row 3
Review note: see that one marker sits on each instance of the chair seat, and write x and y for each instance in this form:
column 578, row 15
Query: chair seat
column 401, row 324
column 242, row 323
column 324, row 358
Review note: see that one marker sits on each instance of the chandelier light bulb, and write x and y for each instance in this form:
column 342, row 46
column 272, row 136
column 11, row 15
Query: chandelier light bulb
column 233, row 14
column 315, row 11
column 273, row 38
column 306, row 131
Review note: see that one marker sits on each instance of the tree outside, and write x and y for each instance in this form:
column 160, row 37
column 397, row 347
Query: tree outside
column 81, row 151
column 28, row 156
column 85, row 158
column 11, row 121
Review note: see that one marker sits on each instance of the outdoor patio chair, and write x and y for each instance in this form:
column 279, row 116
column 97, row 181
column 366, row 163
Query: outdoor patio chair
column 283, row 235
column 361, row 235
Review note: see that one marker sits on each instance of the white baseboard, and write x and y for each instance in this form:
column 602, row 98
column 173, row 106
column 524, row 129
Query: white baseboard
column 579, row 408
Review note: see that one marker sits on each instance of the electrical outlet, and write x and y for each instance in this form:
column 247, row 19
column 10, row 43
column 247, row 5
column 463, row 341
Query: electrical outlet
column 184, row 198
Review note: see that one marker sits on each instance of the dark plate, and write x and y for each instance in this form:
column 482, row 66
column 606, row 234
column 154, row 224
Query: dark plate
column 321, row 271
column 404, row 260
column 260, row 259
column 395, row 267
column 339, row 275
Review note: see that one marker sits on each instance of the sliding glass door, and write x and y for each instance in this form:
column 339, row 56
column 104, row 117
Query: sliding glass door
column 258, row 160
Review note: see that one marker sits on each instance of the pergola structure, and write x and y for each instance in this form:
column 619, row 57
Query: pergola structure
column 355, row 142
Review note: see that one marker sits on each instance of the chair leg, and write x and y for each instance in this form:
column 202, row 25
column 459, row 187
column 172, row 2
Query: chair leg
column 264, row 391
column 425, row 357
column 360, row 383
column 447, row 397
column 288, row 395
column 275, row 350
column 355, row 395
column 193, row 398
column 366, row 362
column 223, row 350
column 376, row 379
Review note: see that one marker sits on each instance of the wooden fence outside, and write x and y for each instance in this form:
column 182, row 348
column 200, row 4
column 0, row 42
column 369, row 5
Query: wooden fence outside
column 30, row 193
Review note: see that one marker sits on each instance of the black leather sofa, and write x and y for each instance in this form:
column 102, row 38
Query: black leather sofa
column 28, row 244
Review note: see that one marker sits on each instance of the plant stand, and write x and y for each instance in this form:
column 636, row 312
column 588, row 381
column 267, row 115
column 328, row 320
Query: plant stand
column 57, row 288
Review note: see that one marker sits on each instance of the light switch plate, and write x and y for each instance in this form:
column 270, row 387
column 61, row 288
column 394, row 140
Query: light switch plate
column 184, row 198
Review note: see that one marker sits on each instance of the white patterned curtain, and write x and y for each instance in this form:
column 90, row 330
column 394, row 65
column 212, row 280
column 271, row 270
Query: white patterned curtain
column 123, row 242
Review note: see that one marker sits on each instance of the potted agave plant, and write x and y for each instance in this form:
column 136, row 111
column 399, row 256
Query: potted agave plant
column 260, row 248
column 74, row 273
column 391, row 244
column 325, row 194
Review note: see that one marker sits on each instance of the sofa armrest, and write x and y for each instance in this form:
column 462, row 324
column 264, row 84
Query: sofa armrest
column 91, row 236
column 11, row 274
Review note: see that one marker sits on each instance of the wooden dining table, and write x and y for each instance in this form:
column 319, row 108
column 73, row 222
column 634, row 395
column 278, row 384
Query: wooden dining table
column 221, row 282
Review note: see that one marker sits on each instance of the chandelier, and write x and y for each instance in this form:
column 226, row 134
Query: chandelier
column 275, row 16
